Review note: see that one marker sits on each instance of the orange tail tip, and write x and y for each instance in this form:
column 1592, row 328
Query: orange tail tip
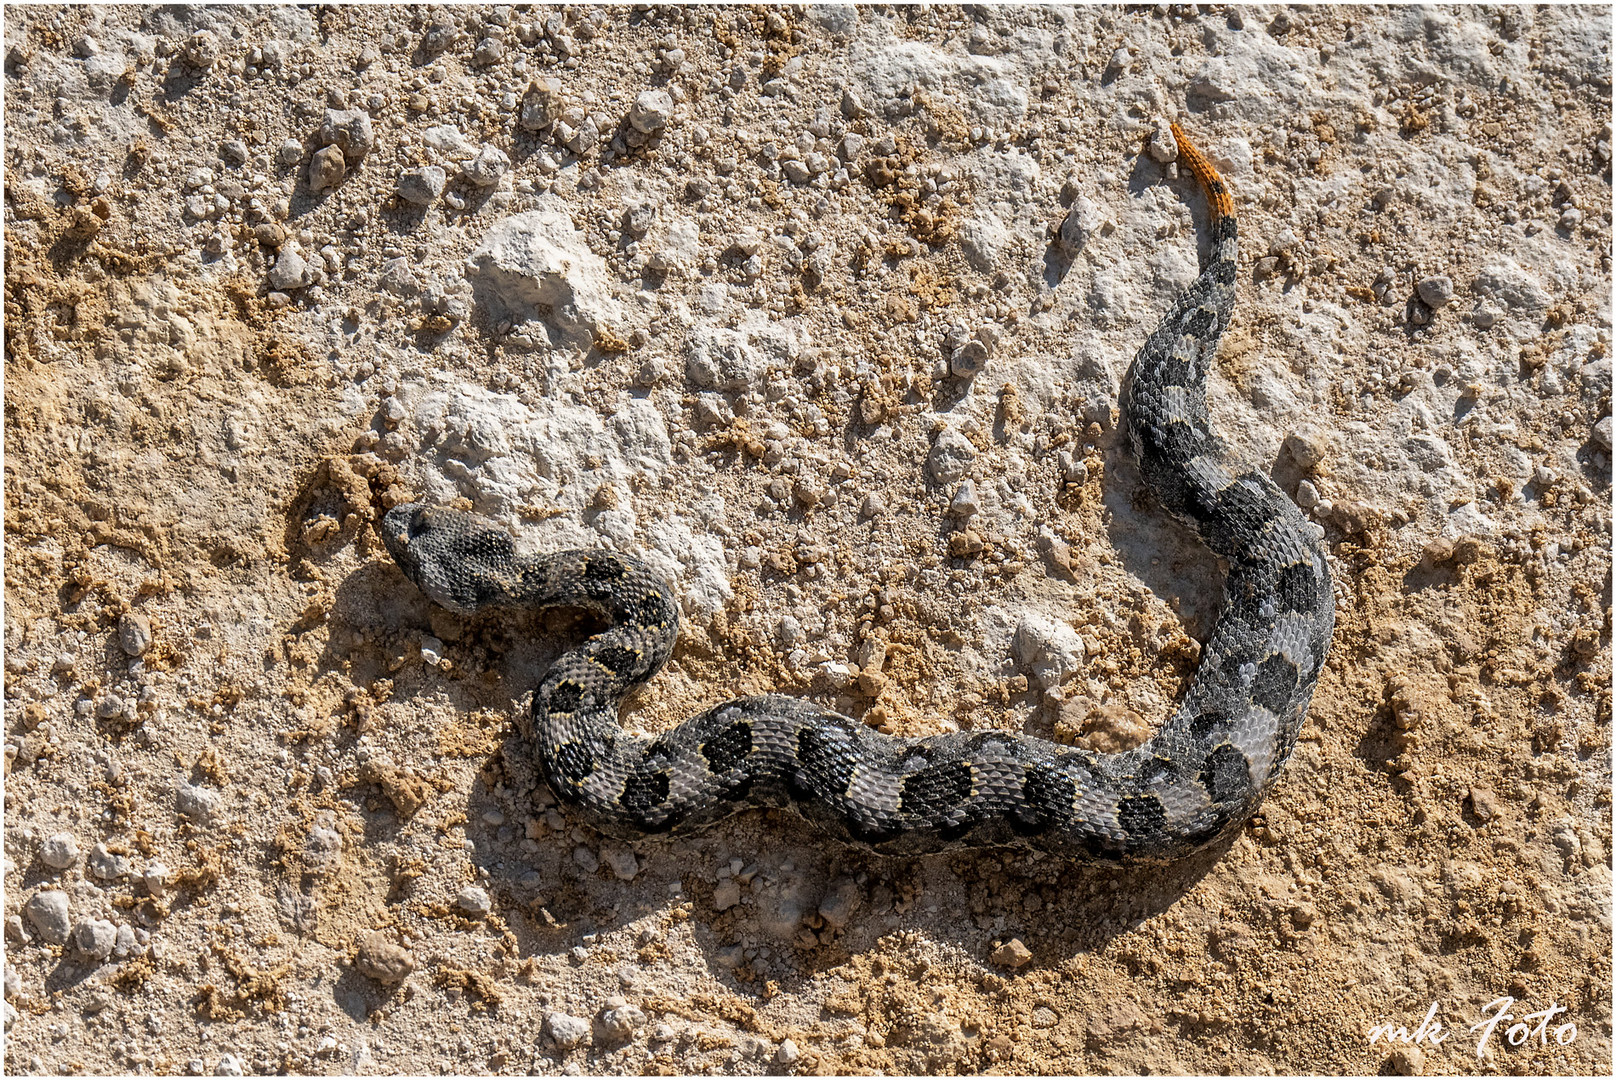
column 1217, row 192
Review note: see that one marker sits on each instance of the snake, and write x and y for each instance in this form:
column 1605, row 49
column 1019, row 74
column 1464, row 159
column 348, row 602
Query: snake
column 1197, row 779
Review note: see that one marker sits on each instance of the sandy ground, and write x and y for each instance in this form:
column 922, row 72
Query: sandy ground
column 823, row 310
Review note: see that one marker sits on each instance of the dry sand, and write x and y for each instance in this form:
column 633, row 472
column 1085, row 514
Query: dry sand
column 855, row 259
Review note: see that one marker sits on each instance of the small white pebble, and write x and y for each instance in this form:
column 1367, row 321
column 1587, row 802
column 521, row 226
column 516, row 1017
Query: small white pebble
column 134, row 633
column 566, row 1031
column 48, row 912
column 95, row 938
column 1436, row 291
column 486, row 169
column 59, row 851
column 474, row 901
column 422, row 186
column 965, row 503
column 619, row 1020
column 105, row 865
column 789, row 631
column 651, row 111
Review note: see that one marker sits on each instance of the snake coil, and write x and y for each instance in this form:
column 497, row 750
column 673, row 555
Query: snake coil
column 1200, row 776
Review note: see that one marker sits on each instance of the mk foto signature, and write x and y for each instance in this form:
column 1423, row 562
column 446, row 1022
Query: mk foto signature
column 1531, row 1026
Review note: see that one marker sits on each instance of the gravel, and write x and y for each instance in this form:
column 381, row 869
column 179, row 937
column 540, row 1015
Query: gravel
column 737, row 360
column 1012, row 954
column 541, row 104
column 48, row 912
column 422, row 186
column 201, row 49
column 537, row 267
column 487, row 168
column 965, row 502
column 968, row 360
column 134, row 633
column 951, row 455
column 326, row 169
column 1308, row 447
column 474, row 901
column 1049, row 649
column 1082, row 222
column 106, row 865
column 618, row 1021
column 1163, row 148
column 567, row 1032
column 291, row 270
column 840, row 903
column 651, row 112
column 794, row 324
column 59, row 851
column 1437, row 292
column 349, row 130
column 1483, row 803
column 95, row 938
column 624, row 865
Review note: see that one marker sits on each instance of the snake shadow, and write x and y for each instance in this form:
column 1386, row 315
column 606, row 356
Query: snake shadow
column 1161, row 552
column 766, row 903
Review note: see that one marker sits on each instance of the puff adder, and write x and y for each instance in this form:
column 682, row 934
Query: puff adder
column 1201, row 776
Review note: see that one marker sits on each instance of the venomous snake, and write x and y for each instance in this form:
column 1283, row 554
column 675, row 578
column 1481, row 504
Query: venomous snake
column 1201, row 776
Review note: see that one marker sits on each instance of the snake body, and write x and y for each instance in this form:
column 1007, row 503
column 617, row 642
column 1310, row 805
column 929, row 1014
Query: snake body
column 1201, row 776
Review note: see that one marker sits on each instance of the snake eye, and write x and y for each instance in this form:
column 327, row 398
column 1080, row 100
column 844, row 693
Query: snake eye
column 399, row 530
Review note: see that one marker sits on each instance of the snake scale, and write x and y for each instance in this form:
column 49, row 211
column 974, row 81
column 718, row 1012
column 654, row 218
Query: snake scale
column 1200, row 777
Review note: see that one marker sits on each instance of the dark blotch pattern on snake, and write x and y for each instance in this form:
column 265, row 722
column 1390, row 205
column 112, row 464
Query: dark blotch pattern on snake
column 1201, row 776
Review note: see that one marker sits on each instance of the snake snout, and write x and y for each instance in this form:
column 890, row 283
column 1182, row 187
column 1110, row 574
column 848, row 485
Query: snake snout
column 398, row 529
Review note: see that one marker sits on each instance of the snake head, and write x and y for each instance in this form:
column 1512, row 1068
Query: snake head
column 460, row 561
